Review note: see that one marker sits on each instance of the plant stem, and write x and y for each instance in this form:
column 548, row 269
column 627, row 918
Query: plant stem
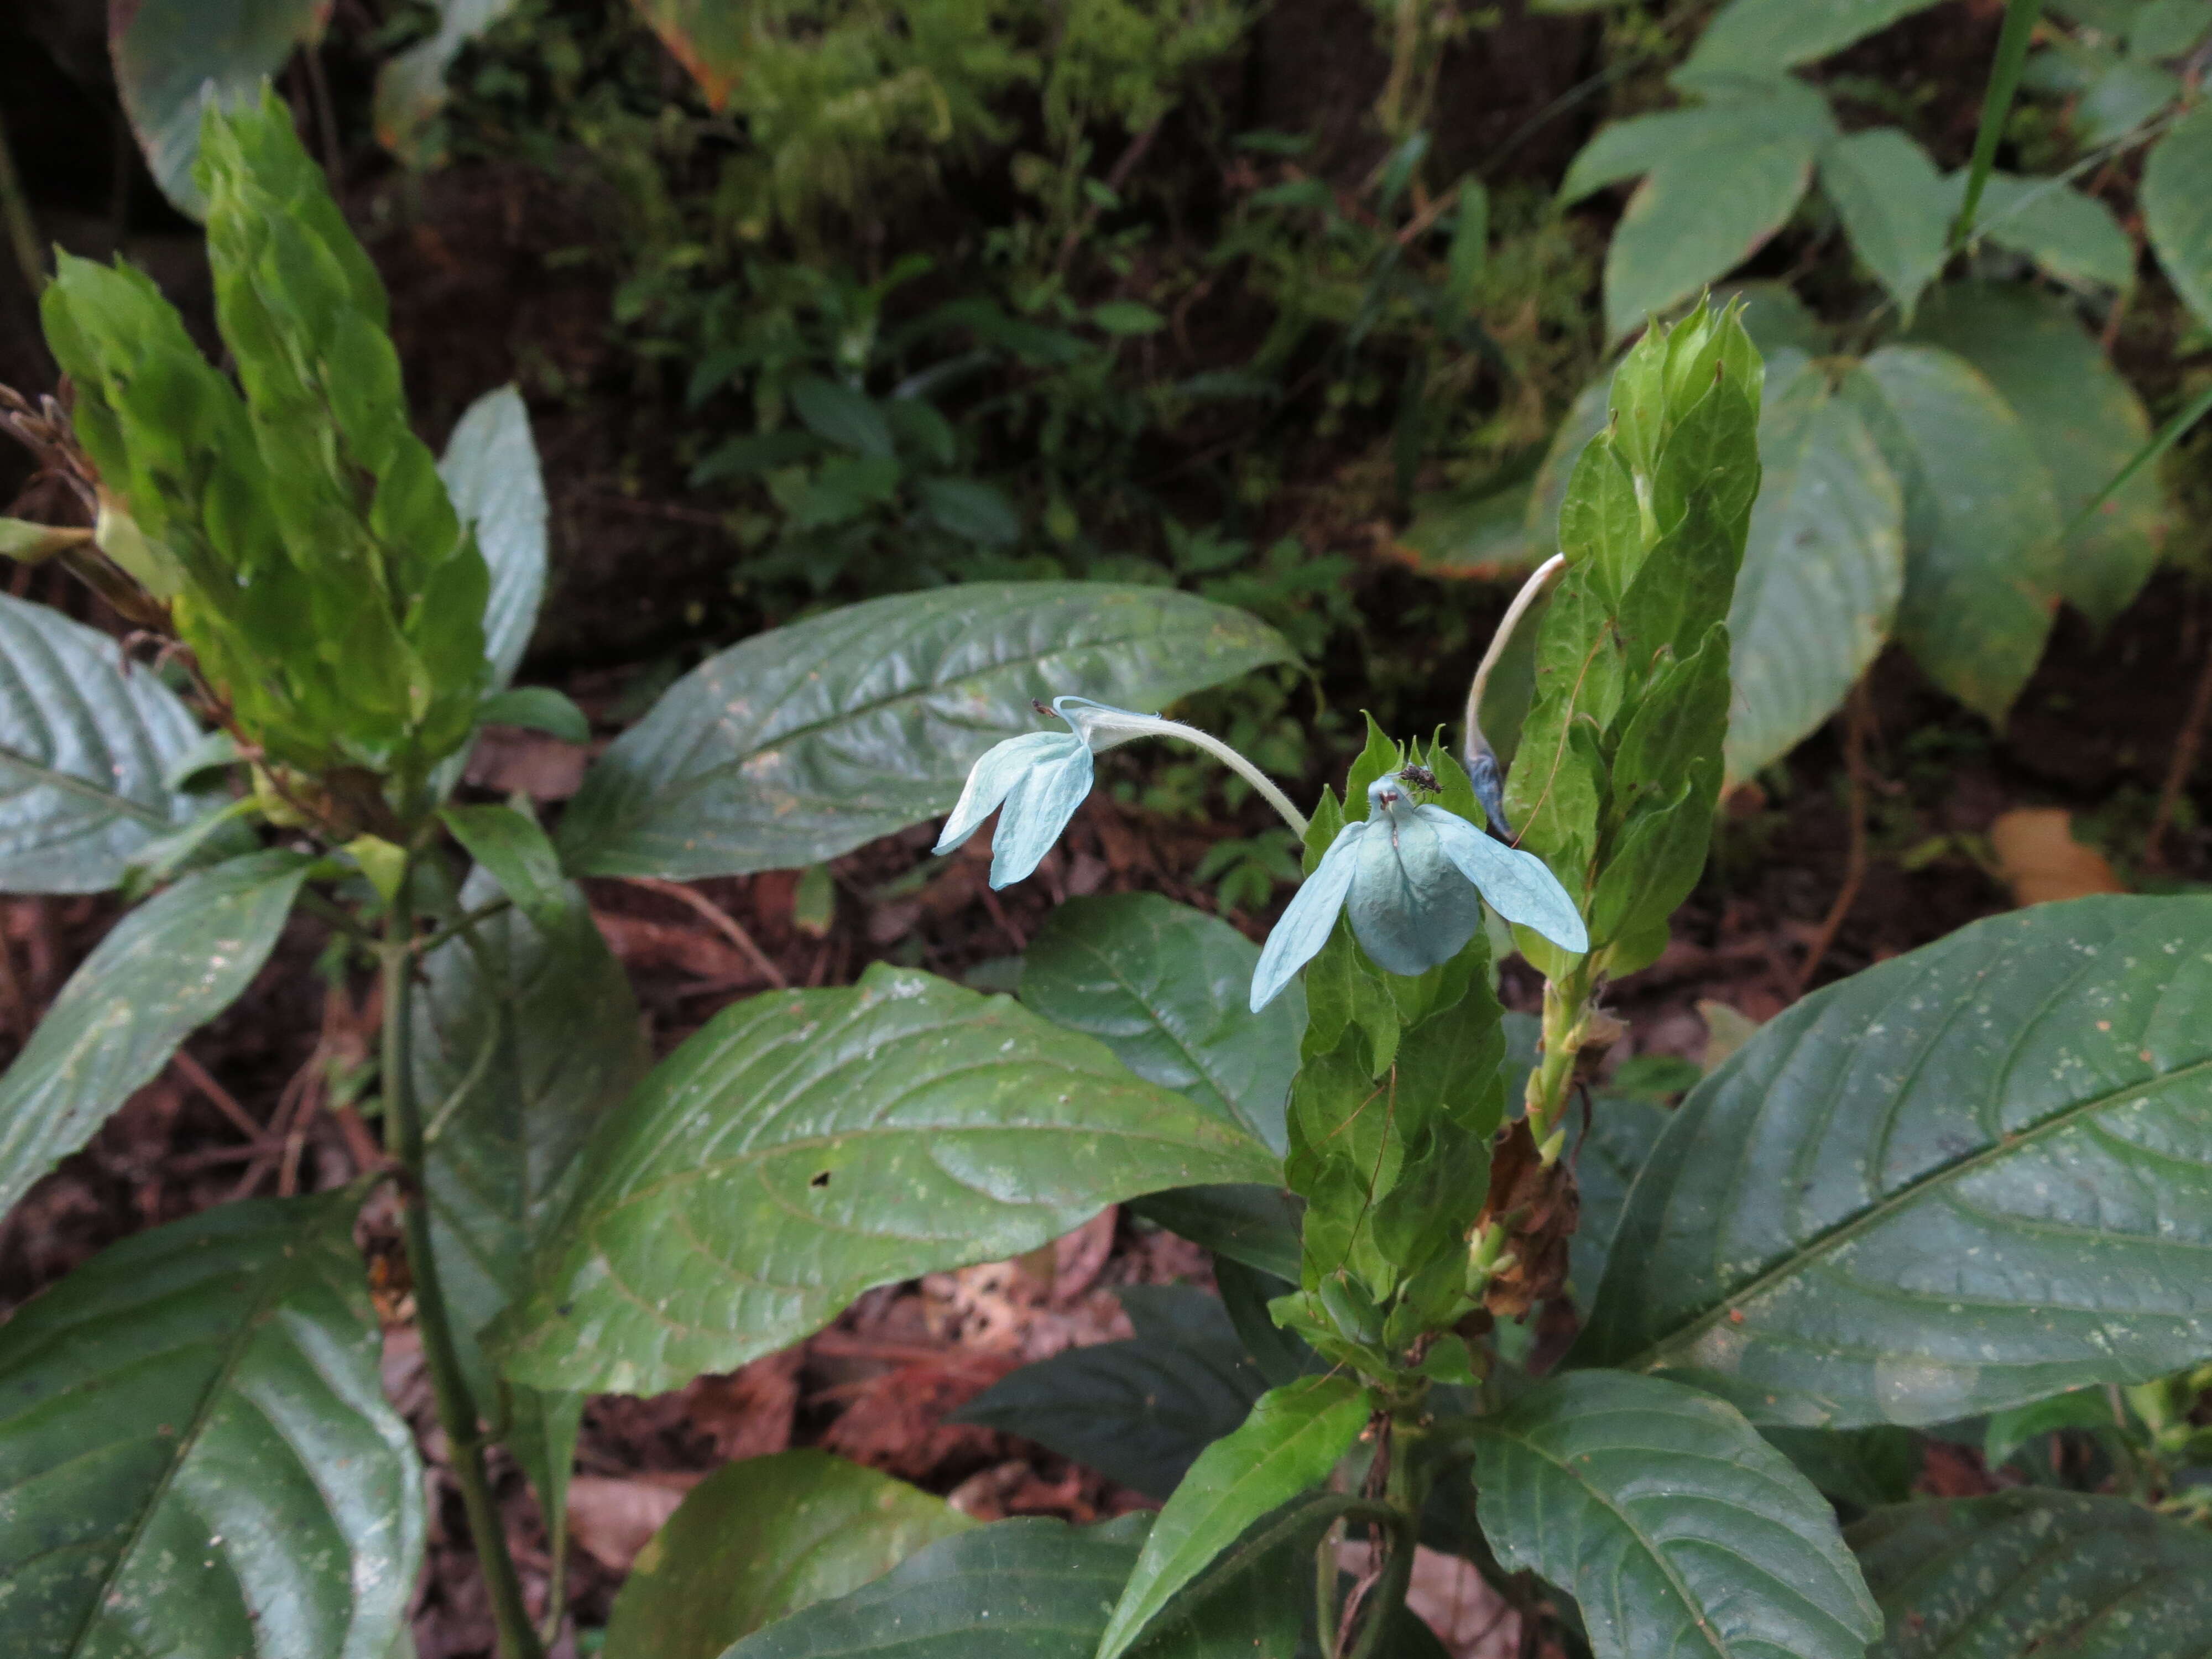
column 22, row 229
column 457, row 1409
column 1404, row 1496
column 1566, row 1028
column 1242, row 768
column 1531, row 591
column 1997, row 103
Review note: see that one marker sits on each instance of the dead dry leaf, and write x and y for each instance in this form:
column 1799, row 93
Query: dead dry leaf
column 2041, row 861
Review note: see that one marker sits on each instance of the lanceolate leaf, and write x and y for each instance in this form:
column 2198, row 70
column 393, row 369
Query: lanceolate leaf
column 1964, row 1179
column 1292, row 1440
column 83, row 750
column 490, row 469
column 1026, row 1589
column 196, row 1454
column 808, row 741
column 1675, row 1528
column 760, row 1539
column 1823, row 566
column 804, row 1146
column 163, row 971
column 1139, row 1412
column 166, row 51
column 2055, row 1575
column 1756, row 37
column 1981, row 522
column 1693, row 221
column 2084, row 421
column 2177, row 212
column 1167, row 988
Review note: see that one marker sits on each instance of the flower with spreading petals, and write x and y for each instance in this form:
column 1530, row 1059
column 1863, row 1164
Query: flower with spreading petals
column 1036, row 781
column 1413, row 878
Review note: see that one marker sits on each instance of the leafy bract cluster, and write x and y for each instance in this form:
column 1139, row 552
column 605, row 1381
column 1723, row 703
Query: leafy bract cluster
column 296, row 507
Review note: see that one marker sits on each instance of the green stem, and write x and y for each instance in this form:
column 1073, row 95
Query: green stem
column 464, row 924
column 1997, row 103
column 22, row 229
column 1531, row 591
column 2166, row 436
column 457, row 1409
column 1566, row 1028
column 1402, row 1495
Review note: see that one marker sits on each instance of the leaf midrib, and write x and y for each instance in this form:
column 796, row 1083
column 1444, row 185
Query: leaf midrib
column 1826, row 1243
column 70, row 783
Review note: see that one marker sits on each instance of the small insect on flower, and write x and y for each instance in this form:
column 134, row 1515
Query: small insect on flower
column 1420, row 777
column 1412, row 879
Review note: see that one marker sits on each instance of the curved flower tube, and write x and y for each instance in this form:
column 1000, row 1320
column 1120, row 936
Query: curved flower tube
column 1412, row 878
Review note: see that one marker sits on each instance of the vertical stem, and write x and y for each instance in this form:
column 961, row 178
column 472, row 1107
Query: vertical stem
column 457, row 1409
column 22, row 229
column 1404, row 1496
column 1996, row 104
column 1566, row 1028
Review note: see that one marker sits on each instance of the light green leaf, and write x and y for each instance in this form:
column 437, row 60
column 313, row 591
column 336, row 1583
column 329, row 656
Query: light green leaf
column 1139, row 1412
column 199, row 1458
column 1694, row 220
column 1675, row 1528
column 1823, row 568
column 525, row 1035
column 1894, row 207
column 84, row 752
column 2073, row 237
column 972, row 510
column 803, row 1147
column 2177, row 209
column 1586, row 417
column 806, row 742
column 2123, row 98
column 2084, row 422
column 166, row 51
column 2056, row 1575
column 1168, row 988
column 1983, row 1171
column 2169, row 29
column 1643, row 143
column 410, row 88
column 540, row 708
column 517, row 855
column 1982, row 564
column 1127, row 317
column 1028, row 1590
column 1294, row 1437
column 761, row 1539
column 490, row 469
column 161, row 973
column 837, row 413
column 1755, row 37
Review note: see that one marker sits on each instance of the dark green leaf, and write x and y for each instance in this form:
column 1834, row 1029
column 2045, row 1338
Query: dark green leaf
column 805, row 1146
column 1249, row 1223
column 538, row 707
column 1127, row 317
column 810, row 740
column 1291, row 1441
column 1139, row 1412
column 84, row 751
column 1894, row 207
column 2035, row 1572
column 1982, row 559
column 1167, row 988
column 1862, row 1468
column 972, row 510
column 2008, row 1430
column 2169, row 29
column 2177, row 210
column 197, row 1455
column 1747, row 112
column 1982, row 1171
column 838, row 414
column 1675, row 1528
column 161, row 973
column 517, row 855
column 761, row 1539
column 2084, row 422
column 2073, row 237
column 166, row 51
column 1755, row 37
column 1621, row 1134
column 1823, row 568
column 490, row 469
column 1024, row 1589
column 1692, row 222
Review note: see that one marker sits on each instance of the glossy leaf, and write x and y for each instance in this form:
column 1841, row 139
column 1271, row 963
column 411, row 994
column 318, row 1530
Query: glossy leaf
column 759, row 1540
column 2033, row 1571
column 2177, row 211
column 1139, row 1412
column 1675, row 1528
column 804, row 1146
column 1982, row 564
column 1165, row 988
column 1025, row 1590
column 1294, row 1437
column 1692, row 222
column 1823, row 568
column 1621, row 1134
column 161, row 973
column 199, row 1458
column 1894, row 207
column 2084, row 422
column 410, row 88
column 526, row 1034
column 808, row 741
column 490, row 469
column 84, row 751
column 1983, row 1171
column 1755, row 37
column 166, row 51
column 2072, row 236
column 1248, row 1222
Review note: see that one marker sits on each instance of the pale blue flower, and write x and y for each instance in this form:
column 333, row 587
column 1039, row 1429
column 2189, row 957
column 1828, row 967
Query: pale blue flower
column 1036, row 781
column 1413, row 878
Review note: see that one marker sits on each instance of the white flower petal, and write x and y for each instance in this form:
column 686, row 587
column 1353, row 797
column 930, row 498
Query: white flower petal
column 991, row 779
column 1305, row 927
column 1519, row 886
